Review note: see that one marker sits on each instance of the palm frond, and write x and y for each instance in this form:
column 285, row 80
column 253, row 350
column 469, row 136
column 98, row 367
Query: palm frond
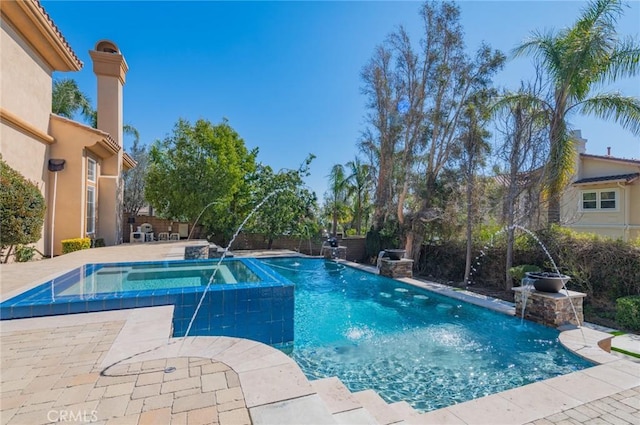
column 132, row 131
column 600, row 13
column 544, row 47
column 520, row 99
column 623, row 61
column 624, row 110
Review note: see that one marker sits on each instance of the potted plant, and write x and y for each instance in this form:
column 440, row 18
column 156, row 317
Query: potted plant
column 518, row 272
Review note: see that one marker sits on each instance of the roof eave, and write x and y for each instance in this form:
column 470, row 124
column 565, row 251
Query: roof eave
column 38, row 29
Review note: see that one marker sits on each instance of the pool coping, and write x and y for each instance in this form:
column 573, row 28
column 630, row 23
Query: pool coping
column 264, row 367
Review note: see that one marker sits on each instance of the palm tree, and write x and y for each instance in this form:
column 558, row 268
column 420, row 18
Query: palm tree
column 337, row 194
column 577, row 60
column 67, row 99
column 359, row 183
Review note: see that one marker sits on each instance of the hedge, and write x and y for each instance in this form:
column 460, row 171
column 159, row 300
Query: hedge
column 603, row 268
column 71, row 245
column 628, row 312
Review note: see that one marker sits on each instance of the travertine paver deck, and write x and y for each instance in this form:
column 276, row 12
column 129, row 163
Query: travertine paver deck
column 56, row 375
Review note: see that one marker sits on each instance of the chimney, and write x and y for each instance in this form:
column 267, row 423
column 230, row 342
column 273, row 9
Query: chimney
column 608, row 150
column 579, row 142
column 110, row 68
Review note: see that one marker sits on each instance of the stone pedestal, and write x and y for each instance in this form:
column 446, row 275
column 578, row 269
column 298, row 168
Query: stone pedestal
column 334, row 253
column 196, row 252
column 396, row 268
column 551, row 309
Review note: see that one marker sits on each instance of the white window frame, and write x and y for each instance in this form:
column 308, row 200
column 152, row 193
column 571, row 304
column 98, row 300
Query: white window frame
column 599, row 200
column 90, row 227
column 91, row 193
column 92, row 169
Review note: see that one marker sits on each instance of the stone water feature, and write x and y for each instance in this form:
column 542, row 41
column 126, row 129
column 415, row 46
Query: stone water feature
column 539, row 298
column 549, row 308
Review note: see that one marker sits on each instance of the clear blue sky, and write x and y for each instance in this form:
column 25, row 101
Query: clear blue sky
column 287, row 74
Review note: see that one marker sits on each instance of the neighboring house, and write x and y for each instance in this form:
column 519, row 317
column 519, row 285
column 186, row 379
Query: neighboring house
column 77, row 168
column 604, row 196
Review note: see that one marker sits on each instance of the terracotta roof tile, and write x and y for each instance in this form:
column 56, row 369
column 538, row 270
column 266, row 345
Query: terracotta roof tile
column 58, row 32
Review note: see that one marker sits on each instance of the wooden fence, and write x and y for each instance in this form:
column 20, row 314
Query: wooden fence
column 355, row 245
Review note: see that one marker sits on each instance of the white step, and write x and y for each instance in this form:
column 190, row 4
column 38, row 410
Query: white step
column 336, row 396
column 360, row 416
column 404, row 409
column 303, row 410
column 379, row 408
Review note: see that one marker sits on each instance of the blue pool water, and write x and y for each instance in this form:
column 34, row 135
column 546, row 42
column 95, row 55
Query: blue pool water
column 410, row 344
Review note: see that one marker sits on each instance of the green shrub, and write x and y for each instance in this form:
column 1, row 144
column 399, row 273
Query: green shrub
column 24, row 253
column 518, row 272
column 603, row 268
column 98, row 243
column 628, row 312
column 71, row 245
column 22, row 209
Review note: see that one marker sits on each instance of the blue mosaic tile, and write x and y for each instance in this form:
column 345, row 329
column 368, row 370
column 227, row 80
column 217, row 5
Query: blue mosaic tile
column 245, row 309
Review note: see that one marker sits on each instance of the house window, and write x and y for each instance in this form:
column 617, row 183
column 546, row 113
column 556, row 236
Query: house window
column 92, row 171
column 589, row 200
column 598, row 200
column 608, row 200
column 91, row 210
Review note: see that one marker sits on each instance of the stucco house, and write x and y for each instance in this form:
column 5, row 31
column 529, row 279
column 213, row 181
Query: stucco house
column 78, row 168
column 604, row 194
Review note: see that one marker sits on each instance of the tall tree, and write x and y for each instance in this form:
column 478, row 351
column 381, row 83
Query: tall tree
column 523, row 129
column 577, row 60
column 195, row 165
column 452, row 78
column 291, row 207
column 67, row 99
column 337, row 195
column 473, row 151
column 381, row 137
column 359, row 184
column 134, row 179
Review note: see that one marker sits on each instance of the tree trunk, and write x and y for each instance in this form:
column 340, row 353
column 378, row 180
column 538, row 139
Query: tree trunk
column 6, row 258
column 467, row 266
column 509, row 260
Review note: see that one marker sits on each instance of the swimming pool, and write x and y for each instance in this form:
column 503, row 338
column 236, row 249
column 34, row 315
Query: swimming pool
column 370, row 331
column 411, row 344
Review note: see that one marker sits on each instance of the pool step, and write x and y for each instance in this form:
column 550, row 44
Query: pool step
column 379, row 408
column 335, row 394
column 360, row 416
column 408, row 413
column 364, row 407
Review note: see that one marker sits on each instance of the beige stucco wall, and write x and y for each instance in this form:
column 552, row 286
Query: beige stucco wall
column 25, row 91
column 74, row 144
column 25, row 80
column 592, row 167
column 624, row 222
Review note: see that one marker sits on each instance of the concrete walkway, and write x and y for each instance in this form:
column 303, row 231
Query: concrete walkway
column 123, row 366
